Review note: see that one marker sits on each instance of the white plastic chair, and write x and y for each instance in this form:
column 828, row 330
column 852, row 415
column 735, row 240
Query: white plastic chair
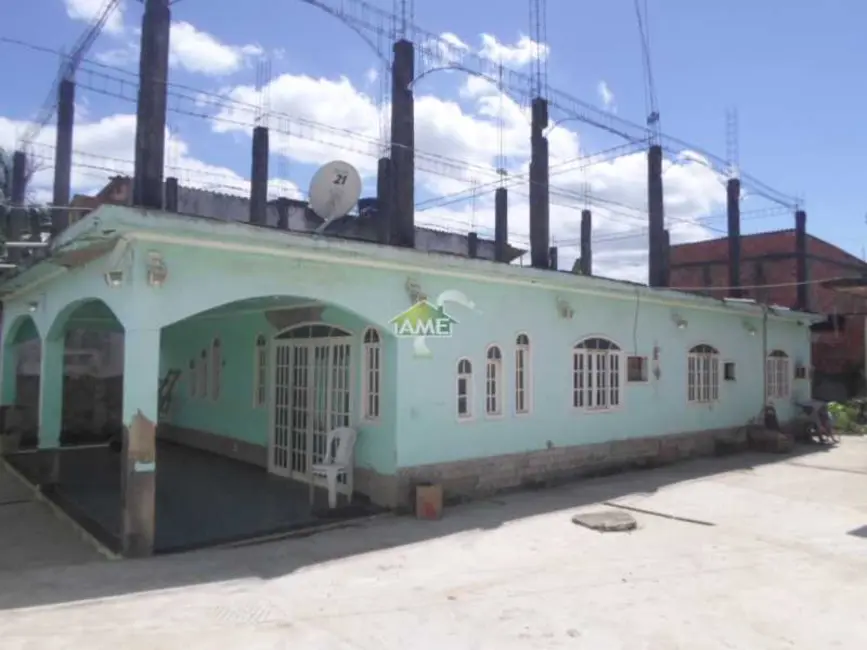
column 337, row 462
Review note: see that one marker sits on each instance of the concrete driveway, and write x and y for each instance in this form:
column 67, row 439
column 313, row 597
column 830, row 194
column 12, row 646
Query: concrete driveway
column 747, row 552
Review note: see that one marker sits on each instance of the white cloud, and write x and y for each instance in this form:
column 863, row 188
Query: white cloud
column 90, row 10
column 189, row 49
column 519, row 54
column 104, row 148
column 446, row 131
column 200, row 52
column 606, row 96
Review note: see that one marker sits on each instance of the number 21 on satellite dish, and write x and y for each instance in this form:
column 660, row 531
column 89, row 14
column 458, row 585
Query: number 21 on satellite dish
column 334, row 190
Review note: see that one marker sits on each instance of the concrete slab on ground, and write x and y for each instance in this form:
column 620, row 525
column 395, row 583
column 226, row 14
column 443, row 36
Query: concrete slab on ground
column 31, row 534
column 753, row 551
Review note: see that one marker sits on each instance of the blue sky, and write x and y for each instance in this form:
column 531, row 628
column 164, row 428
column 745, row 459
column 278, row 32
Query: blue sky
column 790, row 68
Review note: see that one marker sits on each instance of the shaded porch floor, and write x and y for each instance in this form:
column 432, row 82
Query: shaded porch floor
column 202, row 499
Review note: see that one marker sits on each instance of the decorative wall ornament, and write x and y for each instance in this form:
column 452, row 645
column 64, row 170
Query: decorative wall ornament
column 564, row 309
column 414, row 292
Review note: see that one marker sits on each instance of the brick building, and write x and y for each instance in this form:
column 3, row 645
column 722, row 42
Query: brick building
column 771, row 259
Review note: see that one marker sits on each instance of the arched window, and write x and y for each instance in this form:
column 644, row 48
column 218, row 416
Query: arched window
column 465, row 389
column 779, row 377
column 370, row 391
column 216, row 369
column 523, row 377
column 192, row 384
column 203, row 374
column 494, row 381
column 260, row 371
column 596, row 374
column 703, row 374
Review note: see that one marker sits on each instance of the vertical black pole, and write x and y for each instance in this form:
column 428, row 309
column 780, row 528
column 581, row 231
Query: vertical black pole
column 501, row 224
column 665, row 273
column 150, row 135
column 552, row 257
column 586, row 243
column 801, row 272
column 656, row 216
column 17, row 213
column 539, row 225
column 63, row 156
column 733, row 210
column 384, row 201
column 403, row 144
column 259, row 177
column 473, row 244
column 171, row 199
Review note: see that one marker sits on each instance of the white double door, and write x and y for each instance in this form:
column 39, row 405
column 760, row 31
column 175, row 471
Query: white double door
column 312, row 390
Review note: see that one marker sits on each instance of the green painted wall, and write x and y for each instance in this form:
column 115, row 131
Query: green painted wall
column 234, row 414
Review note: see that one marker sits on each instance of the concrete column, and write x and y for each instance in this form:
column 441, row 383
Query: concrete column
column 553, row 258
column 501, row 224
column 539, row 224
column 63, row 155
column 150, row 135
column 171, row 198
column 259, row 177
column 666, row 259
column 733, row 211
column 17, row 213
column 586, row 242
column 51, row 392
column 473, row 244
column 656, row 216
column 384, row 201
column 141, row 363
column 802, row 300
column 282, row 213
column 402, row 211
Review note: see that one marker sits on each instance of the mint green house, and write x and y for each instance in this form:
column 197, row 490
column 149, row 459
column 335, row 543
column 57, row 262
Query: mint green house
column 274, row 338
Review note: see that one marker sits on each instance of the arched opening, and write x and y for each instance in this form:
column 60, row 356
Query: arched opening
column 22, row 358
column 93, row 373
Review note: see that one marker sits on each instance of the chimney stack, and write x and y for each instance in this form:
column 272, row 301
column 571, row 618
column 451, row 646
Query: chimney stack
column 656, row 216
column 586, row 243
column 259, row 177
column 801, row 273
column 501, row 224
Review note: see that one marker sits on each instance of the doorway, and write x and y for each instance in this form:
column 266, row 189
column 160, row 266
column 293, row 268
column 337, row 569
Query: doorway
column 312, row 394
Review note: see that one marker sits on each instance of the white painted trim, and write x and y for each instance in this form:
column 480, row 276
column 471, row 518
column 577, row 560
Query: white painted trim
column 499, row 383
column 621, row 376
column 365, row 378
column 719, row 373
column 471, row 393
column 347, row 332
column 505, row 274
column 528, row 376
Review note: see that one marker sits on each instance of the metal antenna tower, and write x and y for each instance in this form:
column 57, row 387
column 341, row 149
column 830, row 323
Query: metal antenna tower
column 501, row 126
column 539, row 35
column 649, row 86
column 732, row 148
column 405, row 10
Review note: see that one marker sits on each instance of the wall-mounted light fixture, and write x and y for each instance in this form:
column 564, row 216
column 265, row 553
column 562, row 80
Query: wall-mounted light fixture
column 414, row 291
column 32, row 306
column 564, row 309
column 750, row 328
column 680, row 322
column 157, row 271
column 114, row 278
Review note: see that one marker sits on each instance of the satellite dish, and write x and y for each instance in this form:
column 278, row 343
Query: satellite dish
column 334, row 190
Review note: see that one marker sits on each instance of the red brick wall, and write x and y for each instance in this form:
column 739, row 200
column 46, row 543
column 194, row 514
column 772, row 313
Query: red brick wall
column 833, row 352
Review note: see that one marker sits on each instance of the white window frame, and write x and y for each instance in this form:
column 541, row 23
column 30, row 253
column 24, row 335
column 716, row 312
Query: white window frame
column 371, row 375
column 216, row 366
column 597, row 375
column 464, row 368
column 703, row 372
column 203, row 373
column 260, row 371
column 523, row 374
column 494, row 381
column 192, row 379
column 779, row 372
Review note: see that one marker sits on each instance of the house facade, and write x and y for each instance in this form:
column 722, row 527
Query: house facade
column 279, row 337
column 770, row 259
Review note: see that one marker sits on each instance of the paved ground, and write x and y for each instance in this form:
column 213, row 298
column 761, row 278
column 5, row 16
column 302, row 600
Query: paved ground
column 31, row 535
column 763, row 557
